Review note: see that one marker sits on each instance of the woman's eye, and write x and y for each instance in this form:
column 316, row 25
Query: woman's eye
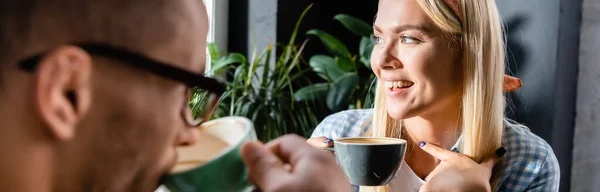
column 409, row 40
column 377, row 40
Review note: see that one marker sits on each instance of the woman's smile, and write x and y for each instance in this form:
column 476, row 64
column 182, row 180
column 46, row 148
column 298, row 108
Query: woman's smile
column 398, row 88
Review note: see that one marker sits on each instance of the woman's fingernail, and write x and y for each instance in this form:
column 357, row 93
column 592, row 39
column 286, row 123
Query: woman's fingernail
column 327, row 141
column 500, row 152
column 422, row 143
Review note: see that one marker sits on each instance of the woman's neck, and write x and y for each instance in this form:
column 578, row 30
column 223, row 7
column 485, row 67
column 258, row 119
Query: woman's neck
column 439, row 127
column 441, row 133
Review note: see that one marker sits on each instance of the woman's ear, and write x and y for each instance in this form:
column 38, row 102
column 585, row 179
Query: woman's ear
column 63, row 89
column 511, row 83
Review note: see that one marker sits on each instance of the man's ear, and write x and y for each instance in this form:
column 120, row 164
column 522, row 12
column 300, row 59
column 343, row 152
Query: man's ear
column 62, row 89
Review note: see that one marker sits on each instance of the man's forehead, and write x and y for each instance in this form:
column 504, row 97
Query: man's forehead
column 187, row 48
column 182, row 31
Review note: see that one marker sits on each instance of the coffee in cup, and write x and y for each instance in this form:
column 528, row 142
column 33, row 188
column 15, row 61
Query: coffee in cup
column 214, row 162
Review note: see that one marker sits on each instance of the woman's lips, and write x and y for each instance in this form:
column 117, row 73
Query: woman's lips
column 397, row 88
column 398, row 84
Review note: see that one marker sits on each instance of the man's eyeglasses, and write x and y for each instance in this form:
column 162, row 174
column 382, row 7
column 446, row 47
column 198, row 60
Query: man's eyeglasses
column 202, row 95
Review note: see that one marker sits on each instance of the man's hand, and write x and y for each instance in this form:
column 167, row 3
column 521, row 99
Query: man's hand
column 290, row 164
column 457, row 172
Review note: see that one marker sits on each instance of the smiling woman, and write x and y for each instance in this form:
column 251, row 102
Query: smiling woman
column 440, row 68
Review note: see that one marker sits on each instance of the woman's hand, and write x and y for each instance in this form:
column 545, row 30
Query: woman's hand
column 320, row 142
column 457, row 172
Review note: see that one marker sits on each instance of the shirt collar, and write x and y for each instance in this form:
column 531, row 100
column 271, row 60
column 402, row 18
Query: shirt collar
column 455, row 147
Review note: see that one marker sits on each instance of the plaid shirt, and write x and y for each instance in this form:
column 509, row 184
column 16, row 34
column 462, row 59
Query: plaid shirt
column 529, row 163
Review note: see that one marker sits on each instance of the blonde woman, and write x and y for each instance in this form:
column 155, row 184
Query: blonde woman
column 440, row 66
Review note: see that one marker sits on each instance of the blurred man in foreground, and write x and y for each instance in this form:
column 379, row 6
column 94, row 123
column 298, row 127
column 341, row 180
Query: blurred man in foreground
column 94, row 98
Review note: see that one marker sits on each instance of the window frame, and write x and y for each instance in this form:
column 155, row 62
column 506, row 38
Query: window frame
column 218, row 12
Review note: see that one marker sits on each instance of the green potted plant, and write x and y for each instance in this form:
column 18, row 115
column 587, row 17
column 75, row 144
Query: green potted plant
column 263, row 91
column 348, row 76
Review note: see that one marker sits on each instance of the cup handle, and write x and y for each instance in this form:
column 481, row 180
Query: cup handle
column 329, row 149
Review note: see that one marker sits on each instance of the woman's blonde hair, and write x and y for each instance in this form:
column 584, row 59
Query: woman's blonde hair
column 482, row 106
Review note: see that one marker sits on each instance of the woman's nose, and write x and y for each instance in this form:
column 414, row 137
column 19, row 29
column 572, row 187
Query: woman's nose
column 386, row 57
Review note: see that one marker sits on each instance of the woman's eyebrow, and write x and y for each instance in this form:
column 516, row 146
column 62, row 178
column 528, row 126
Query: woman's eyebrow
column 401, row 28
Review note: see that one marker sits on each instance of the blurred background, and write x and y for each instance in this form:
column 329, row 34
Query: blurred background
column 287, row 72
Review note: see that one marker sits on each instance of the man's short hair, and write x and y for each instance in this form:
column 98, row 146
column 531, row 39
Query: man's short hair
column 28, row 27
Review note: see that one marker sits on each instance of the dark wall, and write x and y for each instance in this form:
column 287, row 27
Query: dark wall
column 321, row 17
column 543, row 46
column 237, row 36
column 566, row 87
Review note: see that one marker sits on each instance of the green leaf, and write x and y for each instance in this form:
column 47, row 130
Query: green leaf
column 224, row 62
column 293, row 37
column 238, row 73
column 332, row 44
column 355, row 25
column 254, row 64
column 312, row 92
column 365, row 50
column 345, row 63
column 295, row 62
column 213, row 50
column 325, row 66
column 266, row 69
column 344, row 86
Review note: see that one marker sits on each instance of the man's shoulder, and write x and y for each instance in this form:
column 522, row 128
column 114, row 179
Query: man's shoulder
column 348, row 123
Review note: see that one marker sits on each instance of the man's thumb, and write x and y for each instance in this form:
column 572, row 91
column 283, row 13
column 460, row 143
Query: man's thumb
column 263, row 165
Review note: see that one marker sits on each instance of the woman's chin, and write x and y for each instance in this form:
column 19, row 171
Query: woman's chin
column 398, row 113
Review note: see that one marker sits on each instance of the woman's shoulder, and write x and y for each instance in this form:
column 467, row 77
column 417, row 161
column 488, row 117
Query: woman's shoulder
column 349, row 123
column 529, row 163
column 519, row 141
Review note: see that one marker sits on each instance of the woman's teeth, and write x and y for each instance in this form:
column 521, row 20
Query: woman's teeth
column 398, row 84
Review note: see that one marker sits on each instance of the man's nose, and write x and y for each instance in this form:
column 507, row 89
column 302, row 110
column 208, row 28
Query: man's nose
column 187, row 137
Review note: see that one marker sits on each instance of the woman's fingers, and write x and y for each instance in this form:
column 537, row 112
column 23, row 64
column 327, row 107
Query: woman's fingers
column 320, row 142
column 437, row 152
column 493, row 159
column 440, row 167
column 489, row 163
column 459, row 172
